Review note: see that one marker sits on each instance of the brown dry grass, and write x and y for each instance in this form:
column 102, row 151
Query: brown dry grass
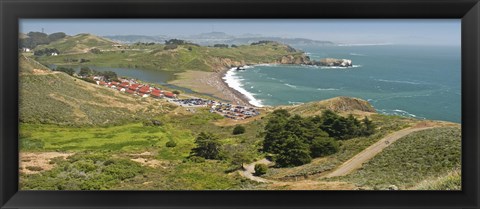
column 41, row 160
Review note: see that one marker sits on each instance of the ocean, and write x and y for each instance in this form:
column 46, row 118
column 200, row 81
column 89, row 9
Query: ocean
column 413, row 81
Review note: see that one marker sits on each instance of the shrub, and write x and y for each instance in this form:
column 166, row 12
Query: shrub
column 34, row 168
column 260, row 169
column 171, row 143
column 239, row 129
column 197, row 159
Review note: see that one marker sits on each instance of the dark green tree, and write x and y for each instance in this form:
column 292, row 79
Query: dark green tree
column 109, row 75
column 293, row 152
column 323, row 146
column 239, row 129
column 56, row 36
column 85, row 71
column 368, row 127
column 207, row 146
column 68, row 71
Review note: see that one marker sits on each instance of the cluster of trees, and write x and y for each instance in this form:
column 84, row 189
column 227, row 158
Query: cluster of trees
column 37, row 38
column 176, row 42
column 262, row 42
column 46, row 51
column 295, row 140
column 221, row 45
column 145, row 44
column 108, row 75
column 170, row 46
column 69, row 71
column 95, row 51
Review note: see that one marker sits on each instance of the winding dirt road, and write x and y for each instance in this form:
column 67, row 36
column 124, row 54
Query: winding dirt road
column 357, row 161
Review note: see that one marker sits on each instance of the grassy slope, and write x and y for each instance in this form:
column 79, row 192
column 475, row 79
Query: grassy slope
column 57, row 98
column 126, row 142
column 79, row 44
column 412, row 159
column 178, row 60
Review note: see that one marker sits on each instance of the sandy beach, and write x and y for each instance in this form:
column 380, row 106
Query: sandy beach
column 210, row 83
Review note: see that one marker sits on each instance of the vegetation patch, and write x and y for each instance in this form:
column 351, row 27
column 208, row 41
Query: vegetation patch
column 412, row 159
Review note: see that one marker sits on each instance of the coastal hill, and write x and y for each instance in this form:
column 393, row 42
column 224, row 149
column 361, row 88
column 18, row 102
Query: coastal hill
column 81, row 43
column 337, row 104
column 176, row 56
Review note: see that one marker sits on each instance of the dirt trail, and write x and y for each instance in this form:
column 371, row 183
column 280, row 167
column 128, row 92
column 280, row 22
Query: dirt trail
column 357, row 161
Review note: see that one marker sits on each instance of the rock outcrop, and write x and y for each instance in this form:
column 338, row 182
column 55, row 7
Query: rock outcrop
column 297, row 59
column 333, row 62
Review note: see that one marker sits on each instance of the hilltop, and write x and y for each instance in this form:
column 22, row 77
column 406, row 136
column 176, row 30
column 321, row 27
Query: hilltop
column 81, row 43
column 337, row 104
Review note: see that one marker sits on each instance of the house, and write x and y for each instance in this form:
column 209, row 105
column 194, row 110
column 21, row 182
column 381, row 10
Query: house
column 25, row 49
column 124, row 84
column 115, row 83
column 130, row 91
column 144, row 90
column 102, row 83
column 169, row 94
column 134, row 87
column 156, row 93
column 54, row 54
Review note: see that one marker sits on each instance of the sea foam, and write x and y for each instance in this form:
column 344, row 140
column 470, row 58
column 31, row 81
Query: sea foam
column 234, row 82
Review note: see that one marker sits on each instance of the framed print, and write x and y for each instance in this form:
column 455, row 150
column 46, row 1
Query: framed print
column 239, row 104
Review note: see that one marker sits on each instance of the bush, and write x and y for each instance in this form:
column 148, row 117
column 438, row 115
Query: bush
column 239, row 129
column 34, row 168
column 171, row 143
column 170, row 47
column 197, row 159
column 260, row 169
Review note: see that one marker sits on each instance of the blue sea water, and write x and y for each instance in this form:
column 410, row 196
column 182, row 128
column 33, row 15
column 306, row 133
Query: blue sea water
column 412, row 81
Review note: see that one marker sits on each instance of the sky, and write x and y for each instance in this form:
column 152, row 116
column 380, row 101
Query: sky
column 353, row 31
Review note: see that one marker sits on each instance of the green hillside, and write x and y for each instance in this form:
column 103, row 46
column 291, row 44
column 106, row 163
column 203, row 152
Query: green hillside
column 80, row 43
column 57, row 98
column 157, row 57
column 417, row 157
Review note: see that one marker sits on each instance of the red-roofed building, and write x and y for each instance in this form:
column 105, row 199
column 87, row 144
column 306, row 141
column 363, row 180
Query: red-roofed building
column 144, row 90
column 169, row 94
column 102, row 83
column 124, row 84
column 156, row 94
column 115, row 83
column 134, row 87
column 130, row 91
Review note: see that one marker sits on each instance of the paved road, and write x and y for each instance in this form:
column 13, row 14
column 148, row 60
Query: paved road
column 356, row 161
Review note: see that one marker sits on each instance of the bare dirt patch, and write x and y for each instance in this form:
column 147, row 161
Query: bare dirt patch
column 38, row 162
column 312, row 185
column 151, row 162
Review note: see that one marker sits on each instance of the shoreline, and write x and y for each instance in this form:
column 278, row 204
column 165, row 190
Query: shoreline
column 241, row 97
column 211, row 83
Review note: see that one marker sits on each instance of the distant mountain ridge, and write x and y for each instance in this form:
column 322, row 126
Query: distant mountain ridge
column 219, row 38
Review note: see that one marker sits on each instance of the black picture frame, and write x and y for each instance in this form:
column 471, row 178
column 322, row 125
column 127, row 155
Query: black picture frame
column 466, row 10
